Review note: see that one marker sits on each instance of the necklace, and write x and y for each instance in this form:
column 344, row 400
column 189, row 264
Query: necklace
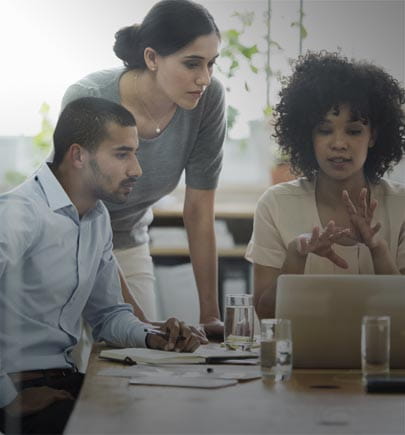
column 157, row 126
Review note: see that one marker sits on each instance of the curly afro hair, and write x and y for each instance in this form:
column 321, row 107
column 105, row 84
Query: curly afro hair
column 322, row 81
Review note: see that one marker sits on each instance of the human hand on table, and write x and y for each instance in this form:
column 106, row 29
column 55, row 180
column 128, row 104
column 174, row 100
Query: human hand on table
column 214, row 328
column 174, row 335
column 197, row 330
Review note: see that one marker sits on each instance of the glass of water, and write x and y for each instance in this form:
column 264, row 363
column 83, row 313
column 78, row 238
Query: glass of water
column 276, row 349
column 239, row 322
column 375, row 346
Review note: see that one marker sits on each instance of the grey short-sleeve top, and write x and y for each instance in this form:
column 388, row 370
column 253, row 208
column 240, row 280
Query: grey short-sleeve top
column 192, row 142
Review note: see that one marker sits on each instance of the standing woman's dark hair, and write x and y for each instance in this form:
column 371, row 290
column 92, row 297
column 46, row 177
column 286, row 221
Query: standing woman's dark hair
column 169, row 26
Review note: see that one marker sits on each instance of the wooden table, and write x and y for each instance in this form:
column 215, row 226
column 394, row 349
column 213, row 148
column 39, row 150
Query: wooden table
column 312, row 402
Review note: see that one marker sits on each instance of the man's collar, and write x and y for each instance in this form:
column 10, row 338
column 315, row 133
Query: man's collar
column 54, row 192
column 56, row 195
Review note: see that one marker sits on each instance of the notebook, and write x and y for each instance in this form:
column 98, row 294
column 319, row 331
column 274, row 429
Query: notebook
column 203, row 354
column 326, row 313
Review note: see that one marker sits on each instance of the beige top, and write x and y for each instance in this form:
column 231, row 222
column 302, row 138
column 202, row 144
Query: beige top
column 287, row 210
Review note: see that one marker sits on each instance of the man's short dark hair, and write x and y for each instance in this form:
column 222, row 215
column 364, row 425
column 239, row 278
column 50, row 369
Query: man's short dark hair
column 83, row 121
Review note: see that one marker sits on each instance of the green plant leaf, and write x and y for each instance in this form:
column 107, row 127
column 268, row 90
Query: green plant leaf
column 42, row 142
column 232, row 36
column 232, row 114
column 246, row 18
column 267, row 111
column 248, row 52
column 234, row 65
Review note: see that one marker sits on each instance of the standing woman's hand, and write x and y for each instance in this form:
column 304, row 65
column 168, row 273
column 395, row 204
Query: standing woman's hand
column 361, row 218
column 214, row 328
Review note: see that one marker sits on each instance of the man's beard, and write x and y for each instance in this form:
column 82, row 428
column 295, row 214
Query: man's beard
column 101, row 180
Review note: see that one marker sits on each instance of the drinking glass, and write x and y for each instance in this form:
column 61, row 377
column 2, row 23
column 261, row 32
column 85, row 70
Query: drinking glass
column 276, row 349
column 375, row 346
column 239, row 325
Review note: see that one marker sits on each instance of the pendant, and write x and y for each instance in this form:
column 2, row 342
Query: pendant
column 157, row 130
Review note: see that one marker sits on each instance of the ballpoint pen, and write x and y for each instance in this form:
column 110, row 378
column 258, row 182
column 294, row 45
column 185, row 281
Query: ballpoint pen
column 162, row 334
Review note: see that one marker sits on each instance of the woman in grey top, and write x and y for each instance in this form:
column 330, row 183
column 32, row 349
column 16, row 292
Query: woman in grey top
column 167, row 84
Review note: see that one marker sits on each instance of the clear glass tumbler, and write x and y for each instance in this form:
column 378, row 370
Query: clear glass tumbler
column 239, row 324
column 375, row 346
column 276, row 349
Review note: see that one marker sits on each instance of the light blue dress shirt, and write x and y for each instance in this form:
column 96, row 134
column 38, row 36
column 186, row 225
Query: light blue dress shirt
column 54, row 268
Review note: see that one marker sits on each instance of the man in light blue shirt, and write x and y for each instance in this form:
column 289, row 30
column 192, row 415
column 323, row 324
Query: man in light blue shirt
column 56, row 265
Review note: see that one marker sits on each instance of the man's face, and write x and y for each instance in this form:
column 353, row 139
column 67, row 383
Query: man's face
column 113, row 168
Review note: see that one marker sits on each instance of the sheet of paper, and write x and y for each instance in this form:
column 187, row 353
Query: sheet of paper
column 211, row 371
column 181, row 381
column 131, row 371
column 201, row 355
column 240, row 362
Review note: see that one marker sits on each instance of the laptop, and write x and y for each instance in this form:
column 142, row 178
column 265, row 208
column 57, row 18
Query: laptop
column 326, row 313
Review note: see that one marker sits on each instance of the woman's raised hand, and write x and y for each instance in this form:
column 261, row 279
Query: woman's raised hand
column 361, row 218
column 321, row 243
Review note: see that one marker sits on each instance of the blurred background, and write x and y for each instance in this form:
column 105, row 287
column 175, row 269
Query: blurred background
column 48, row 44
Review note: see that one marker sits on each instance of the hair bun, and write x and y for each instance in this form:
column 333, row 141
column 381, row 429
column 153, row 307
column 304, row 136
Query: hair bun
column 126, row 42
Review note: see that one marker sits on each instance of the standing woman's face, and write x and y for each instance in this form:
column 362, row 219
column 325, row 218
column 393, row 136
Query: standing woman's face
column 184, row 75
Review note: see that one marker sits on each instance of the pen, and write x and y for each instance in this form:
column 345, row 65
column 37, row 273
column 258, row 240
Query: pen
column 162, row 334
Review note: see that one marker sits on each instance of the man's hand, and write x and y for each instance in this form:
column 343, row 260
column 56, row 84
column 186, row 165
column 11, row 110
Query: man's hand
column 197, row 330
column 321, row 242
column 176, row 336
column 361, row 218
column 214, row 328
column 35, row 399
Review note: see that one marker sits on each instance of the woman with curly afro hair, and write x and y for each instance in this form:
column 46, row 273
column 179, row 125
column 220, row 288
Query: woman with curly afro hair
column 342, row 124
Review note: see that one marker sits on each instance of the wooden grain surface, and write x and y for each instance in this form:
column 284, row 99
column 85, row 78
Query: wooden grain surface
column 312, row 402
